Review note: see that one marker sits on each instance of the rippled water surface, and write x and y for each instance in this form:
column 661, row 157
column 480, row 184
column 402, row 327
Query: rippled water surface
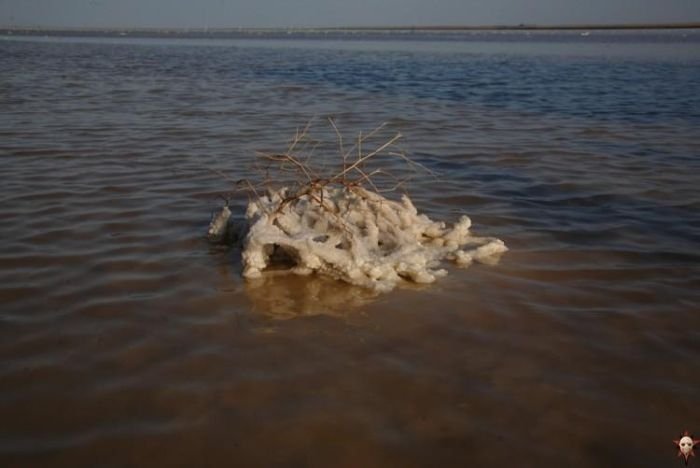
column 127, row 340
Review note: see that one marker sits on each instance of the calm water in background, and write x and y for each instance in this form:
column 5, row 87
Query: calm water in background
column 127, row 340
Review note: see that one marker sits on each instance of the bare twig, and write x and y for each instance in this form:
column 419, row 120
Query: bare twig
column 366, row 157
column 339, row 136
column 295, row 168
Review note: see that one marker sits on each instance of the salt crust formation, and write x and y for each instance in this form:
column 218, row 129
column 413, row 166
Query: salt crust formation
column 219, row 224
column 355, row 235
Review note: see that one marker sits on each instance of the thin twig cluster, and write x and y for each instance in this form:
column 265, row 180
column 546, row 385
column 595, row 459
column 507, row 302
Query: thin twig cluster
column 306, row 174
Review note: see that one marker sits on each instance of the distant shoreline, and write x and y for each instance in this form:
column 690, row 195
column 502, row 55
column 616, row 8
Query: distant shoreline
column 344, row 30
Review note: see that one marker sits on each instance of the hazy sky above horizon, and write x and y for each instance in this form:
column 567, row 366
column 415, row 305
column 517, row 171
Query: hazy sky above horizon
column 283, row 13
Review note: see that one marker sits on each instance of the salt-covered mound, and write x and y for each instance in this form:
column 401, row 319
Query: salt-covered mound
column 328, row 223
column 355, row 235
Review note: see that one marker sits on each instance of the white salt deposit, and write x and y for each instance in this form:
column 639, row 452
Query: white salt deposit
column 357, row 236
column 218, row 224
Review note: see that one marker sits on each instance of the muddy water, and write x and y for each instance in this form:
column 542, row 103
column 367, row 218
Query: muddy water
column 127, row 340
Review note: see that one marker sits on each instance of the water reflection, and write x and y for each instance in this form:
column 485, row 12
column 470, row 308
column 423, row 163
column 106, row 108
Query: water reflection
column 285, row 296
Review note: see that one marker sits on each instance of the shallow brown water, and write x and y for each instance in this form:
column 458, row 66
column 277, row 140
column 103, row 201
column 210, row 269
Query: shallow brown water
column 127, row 340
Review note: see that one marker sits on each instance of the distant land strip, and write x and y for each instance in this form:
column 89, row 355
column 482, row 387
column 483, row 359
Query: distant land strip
column 311, row 31
column 526, row 27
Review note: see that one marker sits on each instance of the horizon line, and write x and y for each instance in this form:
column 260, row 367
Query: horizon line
column 437, row 28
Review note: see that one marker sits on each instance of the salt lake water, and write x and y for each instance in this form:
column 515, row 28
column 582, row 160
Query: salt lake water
column 126, row 339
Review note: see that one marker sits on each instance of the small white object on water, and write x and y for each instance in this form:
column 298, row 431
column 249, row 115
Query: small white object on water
column 219, row 224
column 357, row 236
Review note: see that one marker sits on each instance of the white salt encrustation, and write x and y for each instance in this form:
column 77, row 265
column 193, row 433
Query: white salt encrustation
column 219, row 224
column 357, row 236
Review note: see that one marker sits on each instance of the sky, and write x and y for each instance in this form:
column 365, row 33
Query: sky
column 317, row 13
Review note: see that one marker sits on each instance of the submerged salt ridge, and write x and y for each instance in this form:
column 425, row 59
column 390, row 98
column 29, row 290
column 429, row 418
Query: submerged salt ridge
column 357, row 236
